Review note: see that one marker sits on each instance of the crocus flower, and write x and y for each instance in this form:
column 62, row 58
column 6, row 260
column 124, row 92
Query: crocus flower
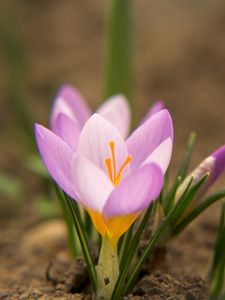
column 115, row 180
column 214, row 164
column 70, row 112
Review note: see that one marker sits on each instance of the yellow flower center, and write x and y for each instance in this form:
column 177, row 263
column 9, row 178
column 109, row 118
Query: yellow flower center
column 110, row 163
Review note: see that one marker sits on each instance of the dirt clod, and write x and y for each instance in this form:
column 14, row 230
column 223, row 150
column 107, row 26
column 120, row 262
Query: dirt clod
column 67, row 276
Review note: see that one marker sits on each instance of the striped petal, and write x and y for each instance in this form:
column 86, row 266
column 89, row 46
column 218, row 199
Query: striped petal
column 57, row 156
column 117, row 111
column 147, row 137
column 70, row 102
column 94, row 143
column 67, row 129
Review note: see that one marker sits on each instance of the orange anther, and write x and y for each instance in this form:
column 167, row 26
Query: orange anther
column 111, row 165
column 112, row 148
column 128, row 159
column 109, row 168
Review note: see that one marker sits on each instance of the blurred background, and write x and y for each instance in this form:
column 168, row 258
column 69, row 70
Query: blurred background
column 179, row 57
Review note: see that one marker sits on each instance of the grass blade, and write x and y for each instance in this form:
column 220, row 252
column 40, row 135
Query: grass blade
column 182, row 172
column 197, row 211
column 125, row 244
column 169, row 200
column 125, row 264
column 217, row 273
column 83, row 240
column 69, row 222
column 148, row 251
column 186, row 198
column 181, row 203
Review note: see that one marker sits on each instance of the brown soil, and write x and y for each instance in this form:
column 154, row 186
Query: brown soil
column 35, row 264
column 180, row 58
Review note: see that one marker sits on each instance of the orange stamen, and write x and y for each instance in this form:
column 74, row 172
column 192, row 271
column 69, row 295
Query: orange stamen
column 111, row 165
column 128, row 159
column 112, row 148
column 109, row 168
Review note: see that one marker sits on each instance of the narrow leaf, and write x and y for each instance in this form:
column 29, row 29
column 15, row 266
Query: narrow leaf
column 182, row 172
column 148, row 251
column 83, row 240
column 217, row 273
column 207, row 202
column 125, row 263
column 68, row 220
column 119, row 65
column 169, row 199
column 125, row 244
column 185, row 200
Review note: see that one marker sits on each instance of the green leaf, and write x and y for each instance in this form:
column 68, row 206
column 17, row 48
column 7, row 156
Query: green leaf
column 149, row 248
column 207, row 202
column 217, row 273
column 73, row 242
column 165, row 188
column 125, row 263
column 119, row 47
column 186, row 199
column 169, row 199
column 17, row 64
column 83, row 240
column 124, row 247
column 182, row 172
column 88, row 224
column 181, row 204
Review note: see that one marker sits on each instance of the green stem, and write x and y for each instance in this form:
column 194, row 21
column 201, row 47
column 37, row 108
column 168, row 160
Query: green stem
column 107, row 270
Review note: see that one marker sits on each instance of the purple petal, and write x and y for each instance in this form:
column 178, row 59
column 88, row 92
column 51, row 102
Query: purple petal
column 147, row 137
column 70, row 102
column 65, row 128
column 91, row 183
column 94, row 143
column 219, row 167
column 57, row 156
column 135, row 192
column 117, row 111
column 161, row 155
column 156, row 107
